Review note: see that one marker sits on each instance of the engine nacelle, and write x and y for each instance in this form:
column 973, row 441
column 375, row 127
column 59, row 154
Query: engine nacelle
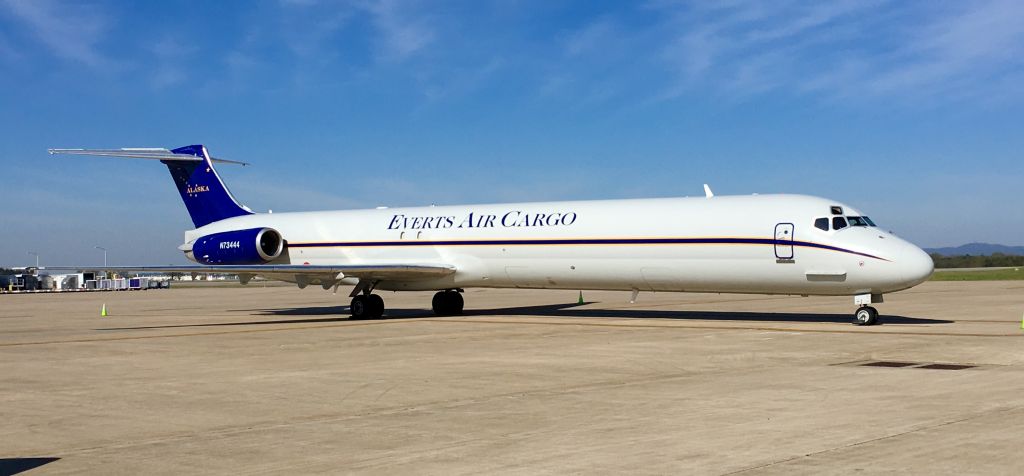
column 252, row 246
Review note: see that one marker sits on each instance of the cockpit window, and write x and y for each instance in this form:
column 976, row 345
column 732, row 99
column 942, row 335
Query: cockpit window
column 860, row 221
column 838, row 223
column 821, row 223
column 857, row 221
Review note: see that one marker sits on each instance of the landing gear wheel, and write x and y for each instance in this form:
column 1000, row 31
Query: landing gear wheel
column 367, row 306
column 376, row 306
column 455, row 302
column 440, row 303
column 447, row 303
column 360, row 308
column 866, row 316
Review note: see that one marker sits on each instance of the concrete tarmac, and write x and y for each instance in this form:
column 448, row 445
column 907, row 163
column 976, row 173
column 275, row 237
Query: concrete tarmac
column 277, row 380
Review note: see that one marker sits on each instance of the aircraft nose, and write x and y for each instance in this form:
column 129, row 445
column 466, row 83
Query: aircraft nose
column 917, row 265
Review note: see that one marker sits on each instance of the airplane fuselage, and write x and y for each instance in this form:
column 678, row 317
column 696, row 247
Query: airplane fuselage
column 766, row 244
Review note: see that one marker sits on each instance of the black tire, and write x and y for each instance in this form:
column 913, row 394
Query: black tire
column 866, row 316
column 376, row 304
column 360, row 307
column 439, row 303
column 455, row 303
column 447, row 303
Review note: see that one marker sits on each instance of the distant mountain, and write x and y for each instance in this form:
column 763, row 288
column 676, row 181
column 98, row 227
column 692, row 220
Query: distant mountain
column 977, row 249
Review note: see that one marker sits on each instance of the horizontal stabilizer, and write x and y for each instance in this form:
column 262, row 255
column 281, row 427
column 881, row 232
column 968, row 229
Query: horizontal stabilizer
column 142, row 153
column 206, row 197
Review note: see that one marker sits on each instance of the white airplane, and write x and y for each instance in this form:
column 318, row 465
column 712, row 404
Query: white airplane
column 762, row 244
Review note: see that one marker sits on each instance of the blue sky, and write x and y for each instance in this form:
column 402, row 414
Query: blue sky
column 911, row 111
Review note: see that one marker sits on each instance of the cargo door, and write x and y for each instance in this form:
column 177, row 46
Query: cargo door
column 784, row 241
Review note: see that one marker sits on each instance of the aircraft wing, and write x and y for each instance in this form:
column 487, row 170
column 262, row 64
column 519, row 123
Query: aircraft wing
column 304, row 273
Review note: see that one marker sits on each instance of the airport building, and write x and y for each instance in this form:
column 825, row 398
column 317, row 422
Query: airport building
column 31, row 281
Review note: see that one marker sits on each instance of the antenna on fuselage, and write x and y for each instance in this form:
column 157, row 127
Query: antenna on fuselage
column 707, row 191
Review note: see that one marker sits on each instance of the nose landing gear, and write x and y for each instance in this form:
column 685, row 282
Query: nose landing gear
column 866, row 316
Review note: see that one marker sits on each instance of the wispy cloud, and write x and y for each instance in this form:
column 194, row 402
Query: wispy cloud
column 401, row 28
column 310, row 28
column 437, row 84
column 594, row 37
column 844, row 49
column 751, row 48
column 72, row 32
column 170, row 53
column 983, row 42
column 401, row 34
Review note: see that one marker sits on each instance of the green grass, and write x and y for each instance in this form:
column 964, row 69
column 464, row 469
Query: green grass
column 981, row 275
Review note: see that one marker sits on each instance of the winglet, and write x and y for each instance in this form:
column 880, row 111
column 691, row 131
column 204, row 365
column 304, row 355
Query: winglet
column 707, row 191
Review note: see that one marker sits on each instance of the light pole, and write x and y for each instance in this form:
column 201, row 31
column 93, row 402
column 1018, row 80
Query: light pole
column 33, row 253
column 104, row 250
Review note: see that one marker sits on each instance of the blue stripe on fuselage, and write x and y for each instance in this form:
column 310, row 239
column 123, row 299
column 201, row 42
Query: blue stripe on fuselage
column 586, row 241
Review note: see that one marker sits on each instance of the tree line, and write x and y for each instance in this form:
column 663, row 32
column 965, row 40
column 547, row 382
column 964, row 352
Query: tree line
column 967, row 261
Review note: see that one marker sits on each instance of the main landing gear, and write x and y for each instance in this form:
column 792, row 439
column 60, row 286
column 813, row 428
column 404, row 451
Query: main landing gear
column 367, row 306
column 447, row 303
column 371, row 306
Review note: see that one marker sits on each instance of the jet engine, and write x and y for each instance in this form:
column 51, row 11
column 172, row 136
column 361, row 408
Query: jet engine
column 252, row 246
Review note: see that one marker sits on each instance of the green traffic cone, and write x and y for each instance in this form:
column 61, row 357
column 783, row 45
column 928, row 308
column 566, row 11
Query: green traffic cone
column 103, row 310
column 581, row 302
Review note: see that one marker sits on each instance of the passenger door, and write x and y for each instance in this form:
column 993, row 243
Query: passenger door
column 784, row 241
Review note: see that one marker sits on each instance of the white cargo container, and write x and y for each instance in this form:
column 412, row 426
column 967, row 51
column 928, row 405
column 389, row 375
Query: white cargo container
column 69, row 282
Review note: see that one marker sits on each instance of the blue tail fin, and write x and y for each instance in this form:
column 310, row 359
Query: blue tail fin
column 202, row 190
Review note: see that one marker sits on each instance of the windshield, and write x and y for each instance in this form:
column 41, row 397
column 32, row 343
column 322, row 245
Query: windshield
column 839, row 222
column 860, row 221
